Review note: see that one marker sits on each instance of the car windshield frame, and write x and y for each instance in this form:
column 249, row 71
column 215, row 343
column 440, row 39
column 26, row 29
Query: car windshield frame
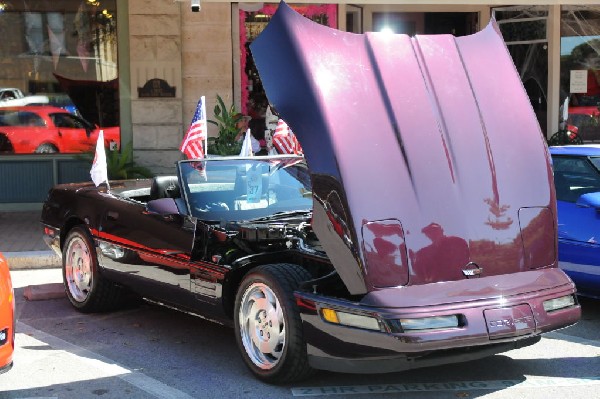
column 595, row 161
column 575, row 176
column 72, row 119
column 226, row 189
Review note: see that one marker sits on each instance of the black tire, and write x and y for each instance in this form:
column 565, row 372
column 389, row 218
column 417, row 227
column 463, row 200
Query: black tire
column 46, row 148
column 5, row 144
column 86, row 289
column 272, row 286
column 565, row 137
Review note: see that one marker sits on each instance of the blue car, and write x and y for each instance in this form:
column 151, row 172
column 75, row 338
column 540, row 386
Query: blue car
column 577, row 181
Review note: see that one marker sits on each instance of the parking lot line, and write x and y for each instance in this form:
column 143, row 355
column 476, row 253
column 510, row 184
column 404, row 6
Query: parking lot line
column 105, row 365
column 529, row 382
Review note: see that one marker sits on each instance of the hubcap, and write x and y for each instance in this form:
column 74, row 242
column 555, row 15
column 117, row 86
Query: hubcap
column 78, row 269
column 262, row 326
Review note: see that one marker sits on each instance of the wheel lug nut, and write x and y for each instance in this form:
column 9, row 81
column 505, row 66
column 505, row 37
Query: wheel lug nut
column 269, row 335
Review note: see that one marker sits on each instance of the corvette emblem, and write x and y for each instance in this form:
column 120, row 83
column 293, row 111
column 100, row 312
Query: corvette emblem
column 472, row 270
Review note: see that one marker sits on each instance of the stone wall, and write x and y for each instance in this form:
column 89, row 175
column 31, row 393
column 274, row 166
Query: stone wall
column 191, row 51
column 207, row 58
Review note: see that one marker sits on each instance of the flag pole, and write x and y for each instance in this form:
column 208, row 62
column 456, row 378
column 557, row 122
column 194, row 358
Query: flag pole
column 205, row 124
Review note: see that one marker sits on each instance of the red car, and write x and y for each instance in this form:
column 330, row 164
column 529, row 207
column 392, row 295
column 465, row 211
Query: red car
column 46, row 130
column 7, row 317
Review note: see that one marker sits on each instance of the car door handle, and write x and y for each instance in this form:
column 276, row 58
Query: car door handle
column 112, row 215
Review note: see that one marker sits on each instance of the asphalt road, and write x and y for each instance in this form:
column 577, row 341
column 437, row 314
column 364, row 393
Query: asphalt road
column 148, row 351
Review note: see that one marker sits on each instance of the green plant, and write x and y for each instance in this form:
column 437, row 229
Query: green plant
column 227, row 119
column 120, row 165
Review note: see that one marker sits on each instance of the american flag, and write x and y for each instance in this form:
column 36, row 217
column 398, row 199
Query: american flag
column 192, row 144
column 284, row 140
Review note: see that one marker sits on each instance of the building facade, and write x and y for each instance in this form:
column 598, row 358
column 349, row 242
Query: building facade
column 143, row 65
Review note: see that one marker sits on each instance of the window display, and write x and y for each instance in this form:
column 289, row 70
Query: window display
column 58, row 63
column 252, row 23
column 580, row 69
column 524, row 29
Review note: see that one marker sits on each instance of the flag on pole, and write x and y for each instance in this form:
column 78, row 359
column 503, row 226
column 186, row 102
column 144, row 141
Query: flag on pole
column 565, row 110
column 194, row 141
column 99, row 171
column 284, row 140
column 247, row 145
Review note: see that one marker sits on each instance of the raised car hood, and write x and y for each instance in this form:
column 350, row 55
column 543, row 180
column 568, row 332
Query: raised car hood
column 427, row 161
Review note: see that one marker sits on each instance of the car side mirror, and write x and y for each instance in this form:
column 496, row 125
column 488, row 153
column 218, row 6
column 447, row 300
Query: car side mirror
column 589, row 200
column 163, row 206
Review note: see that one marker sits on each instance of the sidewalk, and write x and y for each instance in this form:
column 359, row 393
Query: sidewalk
column 21, row 241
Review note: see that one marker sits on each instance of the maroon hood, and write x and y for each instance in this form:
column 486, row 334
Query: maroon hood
column 427, row 161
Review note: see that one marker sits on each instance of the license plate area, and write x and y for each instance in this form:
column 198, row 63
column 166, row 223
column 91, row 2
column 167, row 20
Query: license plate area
column 509, row 322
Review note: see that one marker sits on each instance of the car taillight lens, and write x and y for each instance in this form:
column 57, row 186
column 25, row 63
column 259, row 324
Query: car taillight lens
column 559, row 303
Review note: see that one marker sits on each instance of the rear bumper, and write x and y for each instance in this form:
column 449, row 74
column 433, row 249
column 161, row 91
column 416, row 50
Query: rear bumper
column 52, row 238
column 6, row 368
column 496, row 314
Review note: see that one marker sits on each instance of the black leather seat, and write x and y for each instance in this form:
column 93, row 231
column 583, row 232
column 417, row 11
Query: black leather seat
column 165, row 187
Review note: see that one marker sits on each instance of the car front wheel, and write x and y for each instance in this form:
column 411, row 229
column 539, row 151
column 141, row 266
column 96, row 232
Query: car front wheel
column 46, row 148
column 268, row 325
column 86, row 289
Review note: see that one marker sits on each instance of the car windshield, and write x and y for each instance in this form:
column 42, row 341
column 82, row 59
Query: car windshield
column 596, row 162
column 66, row 120
column 226, row 189
column 575, row 176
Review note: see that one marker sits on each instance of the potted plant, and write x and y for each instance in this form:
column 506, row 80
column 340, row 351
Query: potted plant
column 120, row 165
column 227, row 119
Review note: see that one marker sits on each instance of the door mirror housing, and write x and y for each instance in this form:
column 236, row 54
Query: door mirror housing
column 163, row 206
column 589, row 200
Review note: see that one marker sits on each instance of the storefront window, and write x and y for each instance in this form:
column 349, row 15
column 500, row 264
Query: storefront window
column 580, row 69
column 524, row 29
column 58, row 75
column 252, row 23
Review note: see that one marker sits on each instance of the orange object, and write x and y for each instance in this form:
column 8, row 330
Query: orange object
column 7, row 317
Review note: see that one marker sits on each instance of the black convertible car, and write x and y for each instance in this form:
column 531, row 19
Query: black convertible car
column 413, row 233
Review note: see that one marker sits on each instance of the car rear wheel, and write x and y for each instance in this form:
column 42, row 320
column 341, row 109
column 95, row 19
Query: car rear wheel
column 5, row 144
column 46, row 148
column 87, row 290
column 268, row 325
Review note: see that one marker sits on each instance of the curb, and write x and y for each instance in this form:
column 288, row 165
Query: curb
column 44, row 292
column 32, row 260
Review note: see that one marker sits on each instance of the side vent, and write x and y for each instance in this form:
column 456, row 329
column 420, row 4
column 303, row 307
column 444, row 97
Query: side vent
column 386, row 261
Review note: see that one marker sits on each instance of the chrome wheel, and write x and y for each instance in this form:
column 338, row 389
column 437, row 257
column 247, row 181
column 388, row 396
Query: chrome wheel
column 262, row 326
column 78, row 269
column 46, row 149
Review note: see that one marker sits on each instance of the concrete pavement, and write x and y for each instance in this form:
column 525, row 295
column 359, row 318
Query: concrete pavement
column 22, row 244
column 23, row 247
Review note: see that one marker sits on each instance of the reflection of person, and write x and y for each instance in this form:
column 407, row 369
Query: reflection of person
column 242, row 126
column 453, row 250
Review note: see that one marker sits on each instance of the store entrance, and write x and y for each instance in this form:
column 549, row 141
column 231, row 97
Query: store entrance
column 426, row 23
column 455, row 23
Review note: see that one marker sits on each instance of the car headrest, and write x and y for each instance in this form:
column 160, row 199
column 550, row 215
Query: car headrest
column 165, row 187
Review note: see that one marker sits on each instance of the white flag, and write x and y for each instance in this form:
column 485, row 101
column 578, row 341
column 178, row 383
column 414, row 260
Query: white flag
column 247, row 145
column 99, row 171
column 565, row 114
